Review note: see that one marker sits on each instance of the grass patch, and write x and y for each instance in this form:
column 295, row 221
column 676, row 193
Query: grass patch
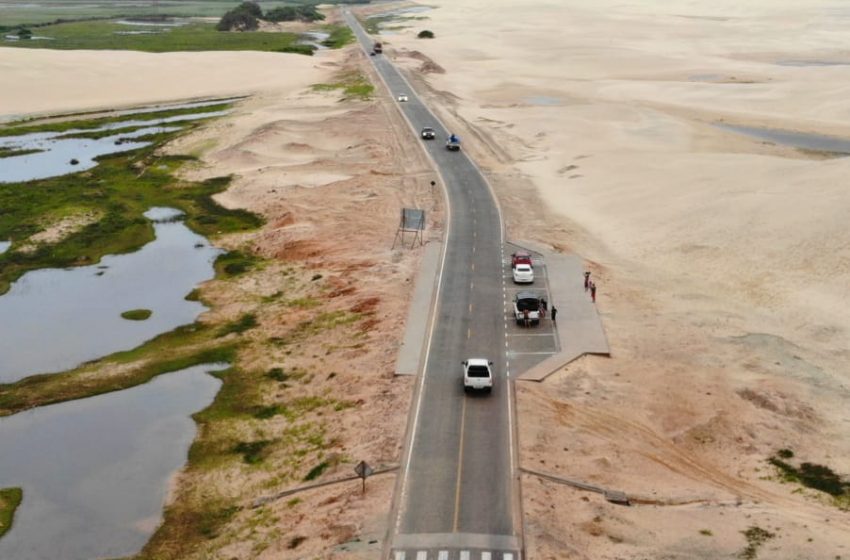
column 340, row 35
column 756, row 537
column 252, row 451
column 235, row 263
column 137, row 314
column 372, row 25
column 10, row 499
column 353, row 85
column 14, row 152
column 317, row 471
column 814, row 476
column 179, row 349
column 118, row 190
column 303, row 303
column 245, row 322
column 195, row 36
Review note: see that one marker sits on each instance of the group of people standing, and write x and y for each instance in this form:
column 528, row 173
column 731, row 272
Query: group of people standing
column 590, row 286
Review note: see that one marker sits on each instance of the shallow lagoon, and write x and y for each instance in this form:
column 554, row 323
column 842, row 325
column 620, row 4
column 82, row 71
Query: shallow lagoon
column 54, row 319
column 800, row 140
column 95, row 472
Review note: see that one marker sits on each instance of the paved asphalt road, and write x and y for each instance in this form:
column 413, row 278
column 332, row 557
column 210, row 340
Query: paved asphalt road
column 459, row 492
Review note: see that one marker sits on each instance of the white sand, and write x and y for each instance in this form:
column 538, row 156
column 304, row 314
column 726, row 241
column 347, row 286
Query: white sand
column 47, row 81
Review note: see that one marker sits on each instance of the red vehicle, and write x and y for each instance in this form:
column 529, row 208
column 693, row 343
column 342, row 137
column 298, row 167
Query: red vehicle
column 520, row 257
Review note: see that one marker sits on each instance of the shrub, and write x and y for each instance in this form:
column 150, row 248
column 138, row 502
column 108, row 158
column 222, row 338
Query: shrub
column 293, row 13
column 24, row 33
column 426, row 34
column 237, row 21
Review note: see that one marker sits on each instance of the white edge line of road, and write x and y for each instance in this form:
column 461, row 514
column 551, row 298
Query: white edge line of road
column 431, row 320
column 502, row 227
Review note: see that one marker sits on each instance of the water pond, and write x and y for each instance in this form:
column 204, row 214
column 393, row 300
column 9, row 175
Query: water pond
column 54, row 319
column 800, row 140
column 95, row 472
column 57, row 150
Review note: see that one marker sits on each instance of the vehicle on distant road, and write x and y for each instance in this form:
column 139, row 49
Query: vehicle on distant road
column 428, row 133
column 402, row 97
column 520, row 257
column 477, row 375
column 523, row 274
column 377, row 48
column 527, row 308
column 453, row 143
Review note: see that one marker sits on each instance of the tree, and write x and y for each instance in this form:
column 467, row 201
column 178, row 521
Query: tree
column 237, row 21
column 426, row 34
column 250, row 8
column 24, row 33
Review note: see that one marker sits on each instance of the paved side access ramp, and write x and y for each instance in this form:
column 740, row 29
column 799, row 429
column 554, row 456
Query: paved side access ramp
column 419, row 314
column 579, row 327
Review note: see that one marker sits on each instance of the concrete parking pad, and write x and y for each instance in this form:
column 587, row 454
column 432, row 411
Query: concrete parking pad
column 579, row 328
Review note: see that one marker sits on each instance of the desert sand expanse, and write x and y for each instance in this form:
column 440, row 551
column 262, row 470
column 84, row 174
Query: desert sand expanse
column 723, row 263
column 41, row 81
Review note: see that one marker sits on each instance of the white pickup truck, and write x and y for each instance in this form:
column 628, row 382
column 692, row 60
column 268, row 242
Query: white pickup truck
column 527, row 304
column 477, row 375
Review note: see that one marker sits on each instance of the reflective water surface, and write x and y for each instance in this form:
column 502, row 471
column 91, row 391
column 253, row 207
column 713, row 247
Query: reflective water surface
column 801, row 140
column 95, row 472
column 54, row 319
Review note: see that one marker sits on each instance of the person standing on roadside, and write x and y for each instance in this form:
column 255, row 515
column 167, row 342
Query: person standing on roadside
column 593, row 292
column 525, row 320
column 554, row 313
column 586, row 280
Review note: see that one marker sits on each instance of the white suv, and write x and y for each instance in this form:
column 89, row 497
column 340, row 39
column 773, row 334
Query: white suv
column 477, row 375
column 523, row 274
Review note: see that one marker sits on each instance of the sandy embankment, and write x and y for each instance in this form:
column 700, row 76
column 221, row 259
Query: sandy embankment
column 723, row 262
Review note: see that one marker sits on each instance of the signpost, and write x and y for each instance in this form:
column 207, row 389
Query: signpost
column 363, row 470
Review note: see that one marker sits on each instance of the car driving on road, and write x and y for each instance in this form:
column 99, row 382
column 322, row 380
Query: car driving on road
column 477, row 375
column 402, row 97
column 428, row 133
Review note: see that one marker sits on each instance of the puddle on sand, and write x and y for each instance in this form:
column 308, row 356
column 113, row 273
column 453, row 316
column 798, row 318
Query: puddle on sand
column 57, row 149
column 541, row 100
column 4, row 246
column 800, row 140
column 54, row 319
column 812, row 63
column 314, row 39
column 95, row 471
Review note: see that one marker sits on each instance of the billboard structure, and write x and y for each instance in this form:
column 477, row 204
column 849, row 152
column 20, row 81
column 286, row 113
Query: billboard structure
column 412, row 221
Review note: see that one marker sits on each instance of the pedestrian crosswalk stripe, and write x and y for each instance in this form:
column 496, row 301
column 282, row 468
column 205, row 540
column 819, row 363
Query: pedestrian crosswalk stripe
column 485, row 556
column 422, row 555
column 508, row 556
column 399, row 555
column 464, row 555
column 443, row 555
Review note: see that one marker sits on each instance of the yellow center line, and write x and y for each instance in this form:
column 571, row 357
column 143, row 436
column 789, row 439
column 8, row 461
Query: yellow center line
column 459, row 468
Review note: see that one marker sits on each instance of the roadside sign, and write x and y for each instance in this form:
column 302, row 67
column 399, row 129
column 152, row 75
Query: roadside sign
column 363, row 470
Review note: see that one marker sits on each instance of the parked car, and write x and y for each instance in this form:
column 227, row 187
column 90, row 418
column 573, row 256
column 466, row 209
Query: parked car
column 402, row 97
column 527, row 304
column 523, row 274
column 520, row 257
column 477, row 375
column 428, row 133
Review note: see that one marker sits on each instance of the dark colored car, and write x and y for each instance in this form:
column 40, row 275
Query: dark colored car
column 428, row 133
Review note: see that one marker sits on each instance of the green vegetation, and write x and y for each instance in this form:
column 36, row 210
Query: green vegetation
column 196, row 36
column 13, row 152
column 235, row 263
column 245, row 322
column 372, row 25
column 294, row 13
column 244, row 17
column 317, row 471
column 252, row 452
column 179, row 349
column 816, row 477
column 137, row 314
column 426, row 34
column 119, row 190
column 10, row 499
column 339, row 36
column 353, row 85
column 756, row 537
column 705, row 532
